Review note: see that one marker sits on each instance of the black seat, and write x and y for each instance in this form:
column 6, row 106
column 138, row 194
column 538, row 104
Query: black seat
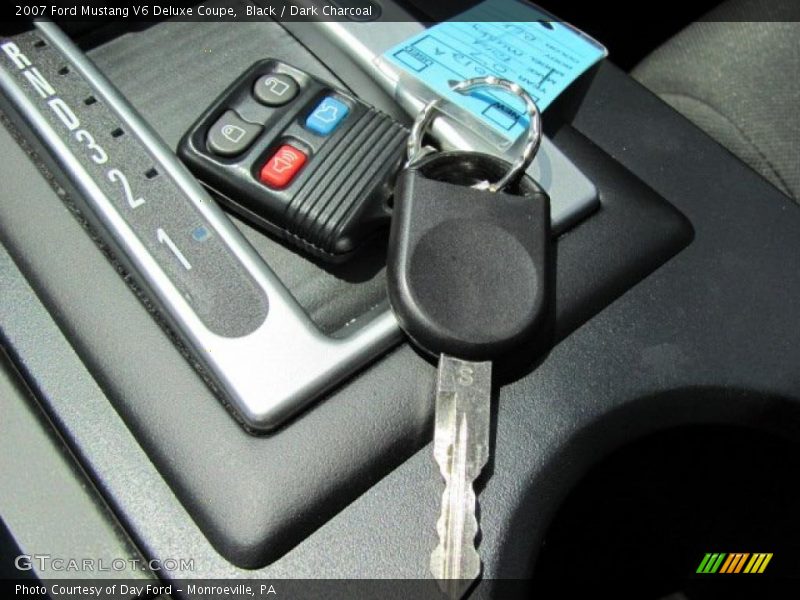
column 736, row 74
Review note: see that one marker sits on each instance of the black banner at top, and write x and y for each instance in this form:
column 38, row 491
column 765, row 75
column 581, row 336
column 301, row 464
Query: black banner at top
column 643, row 14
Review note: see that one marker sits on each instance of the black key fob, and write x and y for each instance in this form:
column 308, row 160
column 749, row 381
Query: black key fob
column 298, row 158
column 467, row 267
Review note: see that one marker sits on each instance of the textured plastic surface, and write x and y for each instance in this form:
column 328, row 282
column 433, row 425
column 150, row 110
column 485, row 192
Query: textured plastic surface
column 340, row 197
column 42, row 487
column 467, row 271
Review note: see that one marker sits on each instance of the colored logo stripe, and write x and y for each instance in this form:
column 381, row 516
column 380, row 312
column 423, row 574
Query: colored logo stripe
column 758, row 563
column 734, row 562
column 710, row 563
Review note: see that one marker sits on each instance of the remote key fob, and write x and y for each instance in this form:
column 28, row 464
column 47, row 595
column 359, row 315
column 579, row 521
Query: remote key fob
column 298, row 158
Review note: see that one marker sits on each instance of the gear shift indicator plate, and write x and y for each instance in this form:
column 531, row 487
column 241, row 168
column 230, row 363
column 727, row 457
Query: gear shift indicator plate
column 243, row 329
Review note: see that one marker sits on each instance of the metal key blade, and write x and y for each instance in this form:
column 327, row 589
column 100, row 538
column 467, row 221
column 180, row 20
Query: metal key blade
column 461, row 448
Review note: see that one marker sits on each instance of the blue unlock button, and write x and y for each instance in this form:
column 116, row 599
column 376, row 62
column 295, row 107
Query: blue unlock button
column 327, row 116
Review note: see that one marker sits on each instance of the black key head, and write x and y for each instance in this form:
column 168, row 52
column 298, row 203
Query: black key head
column 467, row 267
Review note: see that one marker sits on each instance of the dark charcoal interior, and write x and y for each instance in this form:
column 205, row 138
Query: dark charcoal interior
column 654, row 419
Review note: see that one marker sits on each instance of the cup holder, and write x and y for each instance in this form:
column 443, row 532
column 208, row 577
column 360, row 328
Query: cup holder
column 655, row 507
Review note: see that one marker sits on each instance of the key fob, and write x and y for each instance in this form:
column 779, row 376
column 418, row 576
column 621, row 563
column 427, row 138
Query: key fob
column 450, row 242
column 292, row 155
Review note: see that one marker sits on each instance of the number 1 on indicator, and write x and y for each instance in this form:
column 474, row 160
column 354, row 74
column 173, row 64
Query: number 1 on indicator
column 165, row 239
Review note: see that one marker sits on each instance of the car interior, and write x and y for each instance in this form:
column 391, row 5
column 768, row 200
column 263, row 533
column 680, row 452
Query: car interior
column 276, row 293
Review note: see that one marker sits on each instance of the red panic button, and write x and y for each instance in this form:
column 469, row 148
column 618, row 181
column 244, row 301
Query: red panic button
column 281, row 168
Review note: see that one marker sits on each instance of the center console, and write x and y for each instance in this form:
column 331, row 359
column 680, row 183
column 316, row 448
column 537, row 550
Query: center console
column 331, row 475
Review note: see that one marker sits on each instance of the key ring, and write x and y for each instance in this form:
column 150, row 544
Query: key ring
column 415, row 151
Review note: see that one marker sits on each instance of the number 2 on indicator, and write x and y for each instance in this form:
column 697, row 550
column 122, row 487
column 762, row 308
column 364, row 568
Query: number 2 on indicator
column 165, row 239
column 117, row 175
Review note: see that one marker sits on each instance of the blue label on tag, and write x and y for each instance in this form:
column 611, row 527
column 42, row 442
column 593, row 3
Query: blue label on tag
column 507, row 39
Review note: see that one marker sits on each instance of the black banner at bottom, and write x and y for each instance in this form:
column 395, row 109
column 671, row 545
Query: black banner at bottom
column 387, row 589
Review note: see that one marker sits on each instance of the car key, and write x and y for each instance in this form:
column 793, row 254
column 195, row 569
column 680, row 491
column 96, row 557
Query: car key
column 467, row 279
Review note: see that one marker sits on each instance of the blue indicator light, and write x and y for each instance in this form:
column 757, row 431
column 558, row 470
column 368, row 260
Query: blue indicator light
column 201, row 234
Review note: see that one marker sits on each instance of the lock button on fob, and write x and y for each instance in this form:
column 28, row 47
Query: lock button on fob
column 275, row 89
column 231, row 135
